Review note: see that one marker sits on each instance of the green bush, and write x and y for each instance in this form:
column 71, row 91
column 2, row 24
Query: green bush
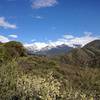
column 28, row 79
column 11, row 50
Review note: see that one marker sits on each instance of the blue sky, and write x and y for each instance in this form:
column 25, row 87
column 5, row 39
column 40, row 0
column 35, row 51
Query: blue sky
column 42, row 21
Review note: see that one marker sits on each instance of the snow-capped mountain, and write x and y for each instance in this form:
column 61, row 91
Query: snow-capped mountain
column 48, row 50
column 36, row 48
column 32, row 48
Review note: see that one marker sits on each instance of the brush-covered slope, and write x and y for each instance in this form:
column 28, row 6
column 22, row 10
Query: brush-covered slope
column 38, row 78
column 35, row 77
column 11, row 50
column 89, row 55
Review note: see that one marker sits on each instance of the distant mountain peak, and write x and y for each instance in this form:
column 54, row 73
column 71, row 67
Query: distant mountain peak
column 49, row 50
column 56, row 49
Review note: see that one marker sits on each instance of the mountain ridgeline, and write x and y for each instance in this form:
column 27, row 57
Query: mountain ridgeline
column 50, row 51
column 60, row 73
column 87, row 56
column 61, row 49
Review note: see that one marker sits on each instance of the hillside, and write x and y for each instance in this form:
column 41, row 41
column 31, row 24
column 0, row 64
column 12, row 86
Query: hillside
column 11, row 50
column 87, row 56
column 33, row 77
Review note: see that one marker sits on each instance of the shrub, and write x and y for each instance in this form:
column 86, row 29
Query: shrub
column 11, row 50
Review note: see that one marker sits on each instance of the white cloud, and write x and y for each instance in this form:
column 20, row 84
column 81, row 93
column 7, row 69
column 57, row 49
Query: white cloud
column 68, row 36
column 69, row 40
column 5, row 24
column 3, row 39
column 38, row 17
column 13, row 36
column 33, row 40
column 36, row 4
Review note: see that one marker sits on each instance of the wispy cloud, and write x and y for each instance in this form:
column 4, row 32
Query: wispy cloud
column 33, row 40
column 66, row 39
column 36, row 4
column 38, row 17
column 3, row 39
column 70, row 40
column 13, row 36
column 8, row 38
column 5, row 24
column 68, row 36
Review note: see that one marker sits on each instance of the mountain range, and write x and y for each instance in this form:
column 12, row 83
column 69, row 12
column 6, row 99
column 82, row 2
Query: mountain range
column 50, row 50
column 87, row 55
